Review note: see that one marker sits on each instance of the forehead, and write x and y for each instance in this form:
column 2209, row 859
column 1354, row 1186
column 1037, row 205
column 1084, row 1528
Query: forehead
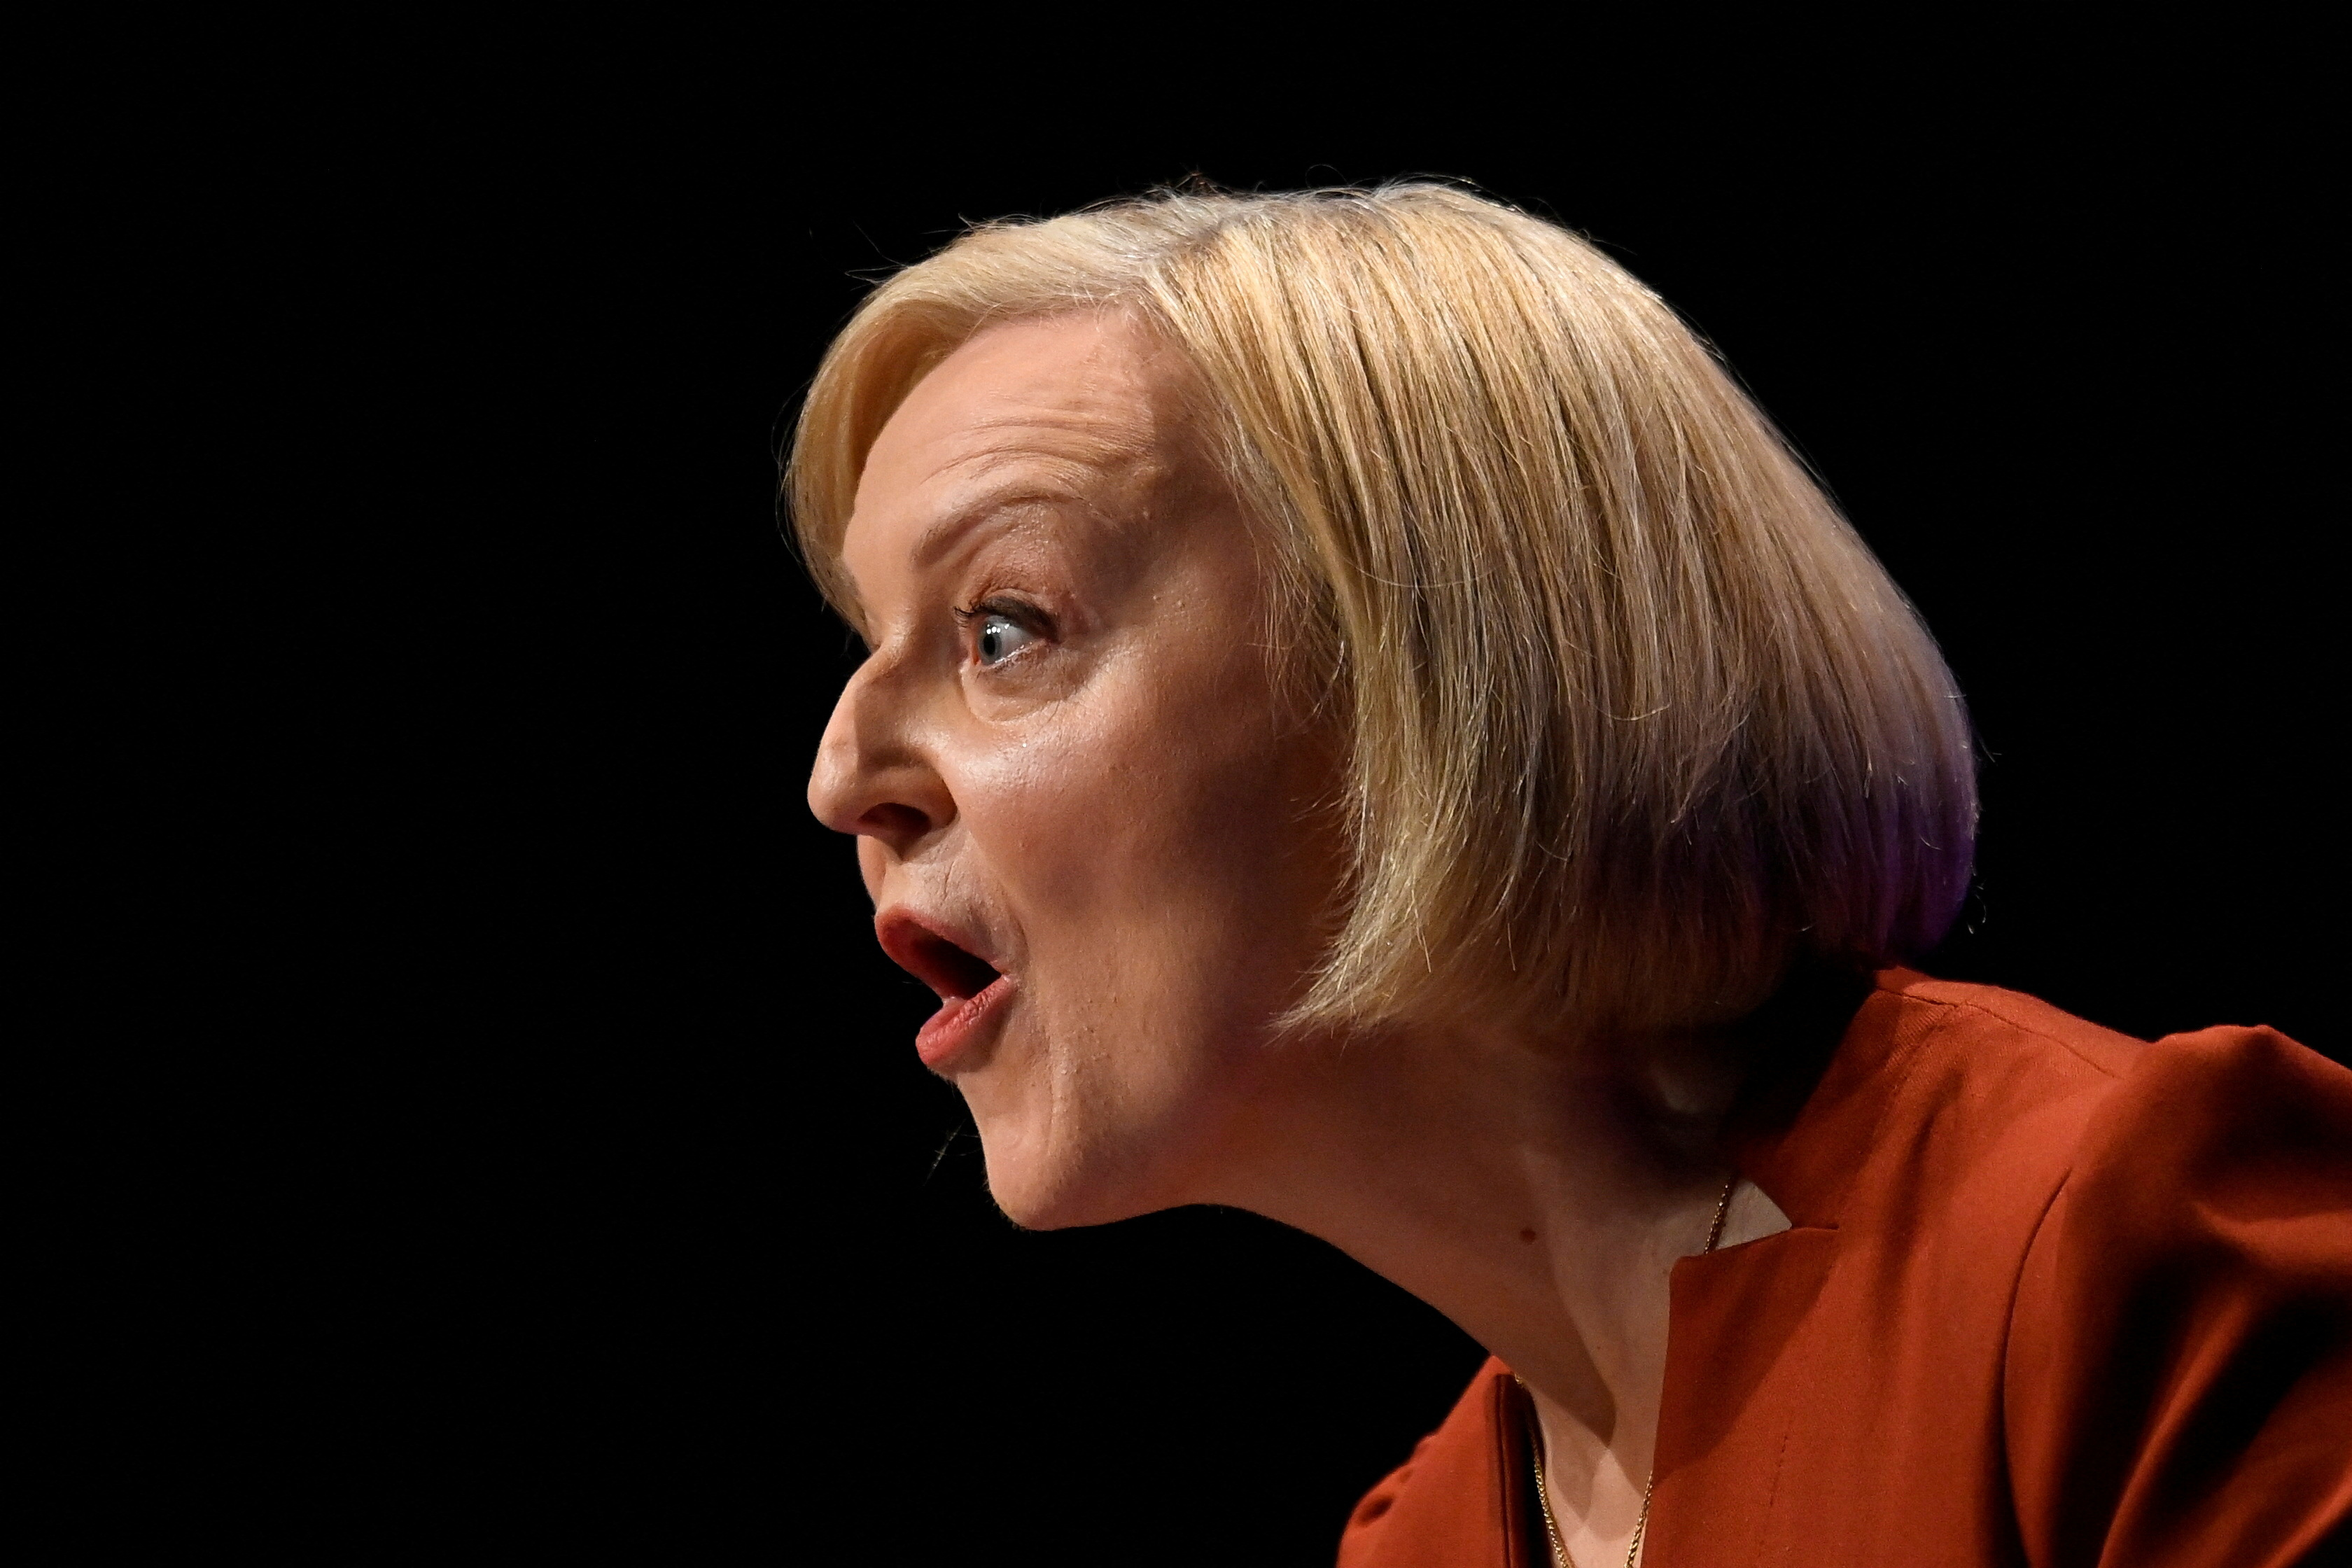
column 1074, row 408
column 1072, row 384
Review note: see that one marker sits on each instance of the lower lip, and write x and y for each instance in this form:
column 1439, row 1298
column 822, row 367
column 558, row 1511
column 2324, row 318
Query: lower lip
column 952, row 1030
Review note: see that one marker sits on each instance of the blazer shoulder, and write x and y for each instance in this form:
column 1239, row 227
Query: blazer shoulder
column 1982, row 1017
column 2180, row 1364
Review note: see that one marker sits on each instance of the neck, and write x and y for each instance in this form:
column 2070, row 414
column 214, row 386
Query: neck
column 1537, row 1193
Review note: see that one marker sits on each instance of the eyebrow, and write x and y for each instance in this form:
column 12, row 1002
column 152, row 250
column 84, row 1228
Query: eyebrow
column 944, row 534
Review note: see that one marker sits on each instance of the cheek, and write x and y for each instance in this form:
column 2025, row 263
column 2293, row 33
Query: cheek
column 1154, row 853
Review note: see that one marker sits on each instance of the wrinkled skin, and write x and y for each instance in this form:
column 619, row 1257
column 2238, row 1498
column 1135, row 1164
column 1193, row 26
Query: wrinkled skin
column 1110, row 813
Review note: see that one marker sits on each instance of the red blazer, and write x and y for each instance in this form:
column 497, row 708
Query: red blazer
column 2051, row 1295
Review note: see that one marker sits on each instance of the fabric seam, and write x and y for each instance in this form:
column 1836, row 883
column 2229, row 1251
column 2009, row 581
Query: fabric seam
column 2009, row 1334
column 2022, row 1027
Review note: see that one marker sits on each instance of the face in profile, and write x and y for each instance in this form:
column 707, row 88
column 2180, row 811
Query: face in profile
column 1084, row 819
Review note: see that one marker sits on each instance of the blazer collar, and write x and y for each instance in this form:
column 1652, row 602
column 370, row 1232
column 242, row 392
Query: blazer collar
column 1806, row 1126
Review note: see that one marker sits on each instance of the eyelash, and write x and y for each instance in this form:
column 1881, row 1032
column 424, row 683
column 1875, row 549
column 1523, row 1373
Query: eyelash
column 1012, row 609
column 1027, row 615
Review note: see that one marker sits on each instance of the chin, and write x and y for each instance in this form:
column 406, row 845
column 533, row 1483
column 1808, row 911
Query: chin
column 1038, row 1191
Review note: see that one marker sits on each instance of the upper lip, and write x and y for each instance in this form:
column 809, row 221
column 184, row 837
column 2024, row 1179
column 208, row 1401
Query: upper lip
column 948, row 961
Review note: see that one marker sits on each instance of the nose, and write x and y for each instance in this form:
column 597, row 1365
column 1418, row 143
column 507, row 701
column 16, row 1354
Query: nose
column 873, row 777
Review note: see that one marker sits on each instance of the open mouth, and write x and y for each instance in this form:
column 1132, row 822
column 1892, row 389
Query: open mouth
column 956, row 972
column 945, row 968
column 971, row 990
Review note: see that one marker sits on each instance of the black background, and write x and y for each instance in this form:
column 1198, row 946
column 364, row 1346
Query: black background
column 529, row 1159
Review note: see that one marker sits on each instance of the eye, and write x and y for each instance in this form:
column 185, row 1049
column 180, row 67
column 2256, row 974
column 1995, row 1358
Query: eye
column 999, row 636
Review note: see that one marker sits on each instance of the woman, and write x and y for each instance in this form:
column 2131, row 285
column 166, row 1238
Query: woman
column 1364, row 723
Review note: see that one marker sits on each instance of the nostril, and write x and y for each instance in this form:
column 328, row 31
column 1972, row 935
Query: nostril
column 893, row 822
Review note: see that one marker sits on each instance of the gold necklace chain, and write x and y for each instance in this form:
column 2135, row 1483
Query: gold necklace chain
column 1559, row 1557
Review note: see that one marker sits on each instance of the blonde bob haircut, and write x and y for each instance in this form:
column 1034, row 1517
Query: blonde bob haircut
column 1633, row 721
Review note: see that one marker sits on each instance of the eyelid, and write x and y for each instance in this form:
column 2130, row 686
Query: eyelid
column 1018, row 610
